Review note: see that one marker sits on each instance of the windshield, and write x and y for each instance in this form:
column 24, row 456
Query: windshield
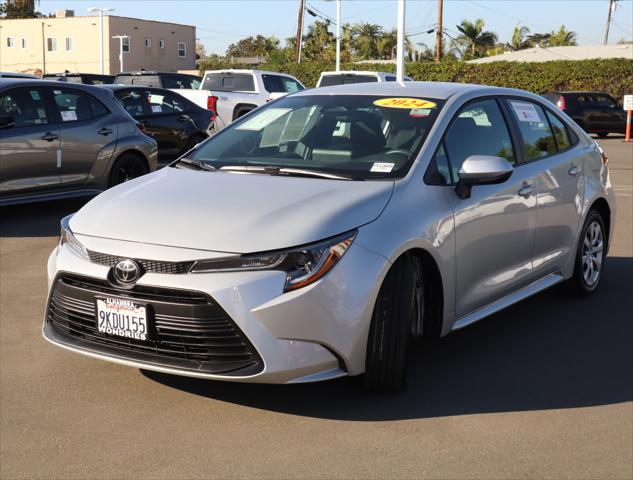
column 358, row 136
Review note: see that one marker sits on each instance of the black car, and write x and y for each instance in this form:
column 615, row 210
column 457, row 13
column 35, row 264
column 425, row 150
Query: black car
column 595, row 112
column 176, row 123
column 85, row 78
column 170, row 80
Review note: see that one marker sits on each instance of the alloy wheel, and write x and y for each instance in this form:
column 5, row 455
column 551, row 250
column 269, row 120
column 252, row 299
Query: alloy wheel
column 592, row 253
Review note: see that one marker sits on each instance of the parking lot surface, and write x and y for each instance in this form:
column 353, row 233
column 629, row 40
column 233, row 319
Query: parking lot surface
column 542, row 389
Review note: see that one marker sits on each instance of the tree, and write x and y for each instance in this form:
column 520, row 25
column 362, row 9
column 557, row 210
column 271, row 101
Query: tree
column 562, row 38
column 258, row 46
column 19, row 9
column 539, row 39
column 201, row 52
column 366, row 36
column 319, row 43
column 519, row 42
column 475, row 39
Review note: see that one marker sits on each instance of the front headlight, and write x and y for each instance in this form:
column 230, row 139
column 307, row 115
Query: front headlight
column 66, row 237
column 303, row 265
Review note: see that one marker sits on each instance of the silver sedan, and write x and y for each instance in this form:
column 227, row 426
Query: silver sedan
column 316, row 236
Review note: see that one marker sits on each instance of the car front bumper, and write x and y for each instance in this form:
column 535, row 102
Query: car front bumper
column 315, row 333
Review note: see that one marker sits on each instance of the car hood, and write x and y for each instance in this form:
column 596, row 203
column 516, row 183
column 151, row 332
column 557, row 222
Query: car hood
column 230, row 212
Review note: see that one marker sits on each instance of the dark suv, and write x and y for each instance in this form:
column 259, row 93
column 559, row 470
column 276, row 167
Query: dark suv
column 170, row 80
column 595, row 112
column 85, row 78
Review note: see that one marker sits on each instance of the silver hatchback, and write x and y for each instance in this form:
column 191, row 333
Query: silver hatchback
column 315, row 236
column 61, row 141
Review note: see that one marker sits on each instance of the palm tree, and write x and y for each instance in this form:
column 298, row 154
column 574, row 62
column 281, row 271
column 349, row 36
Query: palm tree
column 519, row 42
column 538, row 39
column 562, row 38
column 366, row 39
column 475, row 38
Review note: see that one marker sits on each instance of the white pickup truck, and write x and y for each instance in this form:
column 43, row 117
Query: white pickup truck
column 328, row 79
column 232, row 93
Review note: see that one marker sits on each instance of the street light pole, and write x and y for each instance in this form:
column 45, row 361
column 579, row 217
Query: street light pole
column 101, row 12
column 121, row 38
column 400, row 52
column 338, row 35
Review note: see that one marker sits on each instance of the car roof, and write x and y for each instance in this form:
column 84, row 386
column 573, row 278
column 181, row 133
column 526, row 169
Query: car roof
column 7, row 82
column 154, row 72
column 438, row 90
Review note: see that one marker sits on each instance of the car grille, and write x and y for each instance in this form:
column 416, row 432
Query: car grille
column 187, row 329
column 155, row 266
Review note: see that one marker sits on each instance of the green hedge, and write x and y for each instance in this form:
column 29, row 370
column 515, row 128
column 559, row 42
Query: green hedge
column 614, row 76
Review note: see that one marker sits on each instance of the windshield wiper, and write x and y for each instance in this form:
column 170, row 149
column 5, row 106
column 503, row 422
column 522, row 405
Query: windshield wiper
column 299, row 172
column 196, row 164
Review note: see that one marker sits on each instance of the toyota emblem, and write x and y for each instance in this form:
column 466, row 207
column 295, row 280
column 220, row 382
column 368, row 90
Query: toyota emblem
column 126, row 271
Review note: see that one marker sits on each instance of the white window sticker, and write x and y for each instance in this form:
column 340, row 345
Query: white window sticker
column 263, row 119
column 525, row 112
column 157, row 108
column 382, row 167
column 69, row 115
column 420, row 112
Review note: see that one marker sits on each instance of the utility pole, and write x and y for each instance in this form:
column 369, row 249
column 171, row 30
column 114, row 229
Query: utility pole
column 400, row 51
column 299, row 40
column 438, row 48
column 121, row 38
column 606, row 31
column 101, row 12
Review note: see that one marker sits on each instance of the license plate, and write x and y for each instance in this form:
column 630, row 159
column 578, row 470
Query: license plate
column 122, row 317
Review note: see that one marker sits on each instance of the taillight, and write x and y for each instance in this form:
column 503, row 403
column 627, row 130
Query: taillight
column 561, row 103
column 212, row 103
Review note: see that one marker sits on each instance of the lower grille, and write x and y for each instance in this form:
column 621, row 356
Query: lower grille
column 155, row 266
column 187, row 329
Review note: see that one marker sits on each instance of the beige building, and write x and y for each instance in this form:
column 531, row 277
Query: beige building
column 66, row 42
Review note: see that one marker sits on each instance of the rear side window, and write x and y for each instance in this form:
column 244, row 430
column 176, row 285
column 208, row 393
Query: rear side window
column 225, row 82
column 330, row 80
column 279, row 83
column 561, row 135
column 163, row 102
column 74, row 105
column 132, row 101
column 479, row 129
column 538, row 139
column 25, row 105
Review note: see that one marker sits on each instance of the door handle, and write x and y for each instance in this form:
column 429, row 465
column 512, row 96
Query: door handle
column 104, row 131
column 574, row 170
column 49, row 137
column 526, row 190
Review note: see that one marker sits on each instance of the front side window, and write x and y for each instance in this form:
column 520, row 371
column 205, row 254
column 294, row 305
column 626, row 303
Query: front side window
column 51, row 44
column 75, row 105
column 479, row 129
column 182, row 49
column 537, row 136
column 280, row 83
column 25, row 105
column 164, row 102
column 359, row 136
column 132, row 101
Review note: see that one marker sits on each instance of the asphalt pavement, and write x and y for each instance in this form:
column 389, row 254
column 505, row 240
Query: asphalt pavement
column 543, row 389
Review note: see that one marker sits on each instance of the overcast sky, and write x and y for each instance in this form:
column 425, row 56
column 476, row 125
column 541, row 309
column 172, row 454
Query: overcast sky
column 221, row 22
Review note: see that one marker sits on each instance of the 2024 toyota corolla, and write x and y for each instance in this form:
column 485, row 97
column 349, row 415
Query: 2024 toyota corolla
column 316, row 236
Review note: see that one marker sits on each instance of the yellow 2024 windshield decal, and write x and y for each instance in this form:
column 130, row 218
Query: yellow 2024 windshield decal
column 404, row 103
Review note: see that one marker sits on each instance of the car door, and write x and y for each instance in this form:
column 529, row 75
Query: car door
column 168, row 122
column 549, row 150
column 29, row 150
column 87, row 129
column 494, row 228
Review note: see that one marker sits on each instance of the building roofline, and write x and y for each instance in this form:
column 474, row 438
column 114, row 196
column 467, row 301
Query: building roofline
column 48, row 19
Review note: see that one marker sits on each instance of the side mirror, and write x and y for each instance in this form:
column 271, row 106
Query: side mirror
column 6, row 121
column 481, row 170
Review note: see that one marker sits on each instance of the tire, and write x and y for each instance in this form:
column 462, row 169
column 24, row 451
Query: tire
column 126, row 167
column 392, row 322
column 590, row 256
column 602, row 134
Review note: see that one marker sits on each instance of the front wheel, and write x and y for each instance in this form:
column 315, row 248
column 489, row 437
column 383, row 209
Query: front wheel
column 399, row 304
column 126, row 167
column 591, row 254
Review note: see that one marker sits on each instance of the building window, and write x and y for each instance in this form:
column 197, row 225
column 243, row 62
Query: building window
column 24, row 43
column 126, row 44
column 10, row 42
column 69, row 44
column 161, row 43
column 51, row 44
column 182, row 49
column 148, row 42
